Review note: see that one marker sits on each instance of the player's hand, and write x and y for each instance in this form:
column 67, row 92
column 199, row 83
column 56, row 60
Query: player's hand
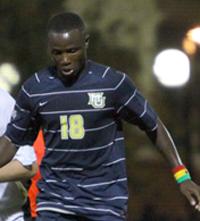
column 192, row 192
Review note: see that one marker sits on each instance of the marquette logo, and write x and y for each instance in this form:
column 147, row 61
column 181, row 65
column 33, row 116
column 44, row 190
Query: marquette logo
column 97, row 100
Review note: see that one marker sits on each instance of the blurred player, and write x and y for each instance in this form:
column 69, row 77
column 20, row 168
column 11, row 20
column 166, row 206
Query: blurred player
column 80, row 106
column 23, row 166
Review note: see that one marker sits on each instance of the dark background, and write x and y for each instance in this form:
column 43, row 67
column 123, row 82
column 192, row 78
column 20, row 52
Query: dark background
column 126, row 35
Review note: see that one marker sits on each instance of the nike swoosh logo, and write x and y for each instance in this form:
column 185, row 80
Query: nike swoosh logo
column 42, row 103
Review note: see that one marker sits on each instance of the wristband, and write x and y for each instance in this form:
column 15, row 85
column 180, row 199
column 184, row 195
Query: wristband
column 181, row 174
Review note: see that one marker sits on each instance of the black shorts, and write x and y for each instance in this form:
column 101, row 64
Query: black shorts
column 54, row 216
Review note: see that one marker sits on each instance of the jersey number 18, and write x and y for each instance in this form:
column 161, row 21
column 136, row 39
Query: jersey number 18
column 72, row 126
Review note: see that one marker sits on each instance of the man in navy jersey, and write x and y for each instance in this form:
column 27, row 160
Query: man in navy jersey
column 80, row 106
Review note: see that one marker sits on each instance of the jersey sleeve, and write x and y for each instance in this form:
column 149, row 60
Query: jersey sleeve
column 133, row 107
column 23, row 128
column 25, row 155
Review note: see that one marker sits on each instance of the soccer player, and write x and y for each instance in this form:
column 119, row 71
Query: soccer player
column 23, row 166
column 80, row 106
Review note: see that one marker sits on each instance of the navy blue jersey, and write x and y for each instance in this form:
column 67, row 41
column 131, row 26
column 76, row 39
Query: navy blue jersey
column 83, row 169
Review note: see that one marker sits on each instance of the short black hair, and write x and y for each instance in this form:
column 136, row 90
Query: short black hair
column 64, row 22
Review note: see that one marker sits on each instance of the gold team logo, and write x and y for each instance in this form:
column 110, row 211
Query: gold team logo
column 97, row 100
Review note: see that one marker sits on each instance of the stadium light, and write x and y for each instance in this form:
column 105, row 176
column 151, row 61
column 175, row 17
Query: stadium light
column 9, row 76
column 172, row 68
column 192, row 40
column 194, row 35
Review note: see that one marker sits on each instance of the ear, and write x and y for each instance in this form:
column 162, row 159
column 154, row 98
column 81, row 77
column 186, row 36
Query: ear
column 87, row 37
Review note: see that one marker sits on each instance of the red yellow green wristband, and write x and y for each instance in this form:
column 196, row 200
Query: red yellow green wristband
column 181, row 174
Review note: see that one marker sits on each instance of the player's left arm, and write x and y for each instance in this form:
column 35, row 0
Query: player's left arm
column 163, row 140
column 7, row 150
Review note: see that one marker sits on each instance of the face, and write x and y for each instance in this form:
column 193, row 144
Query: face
column 68, row 51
